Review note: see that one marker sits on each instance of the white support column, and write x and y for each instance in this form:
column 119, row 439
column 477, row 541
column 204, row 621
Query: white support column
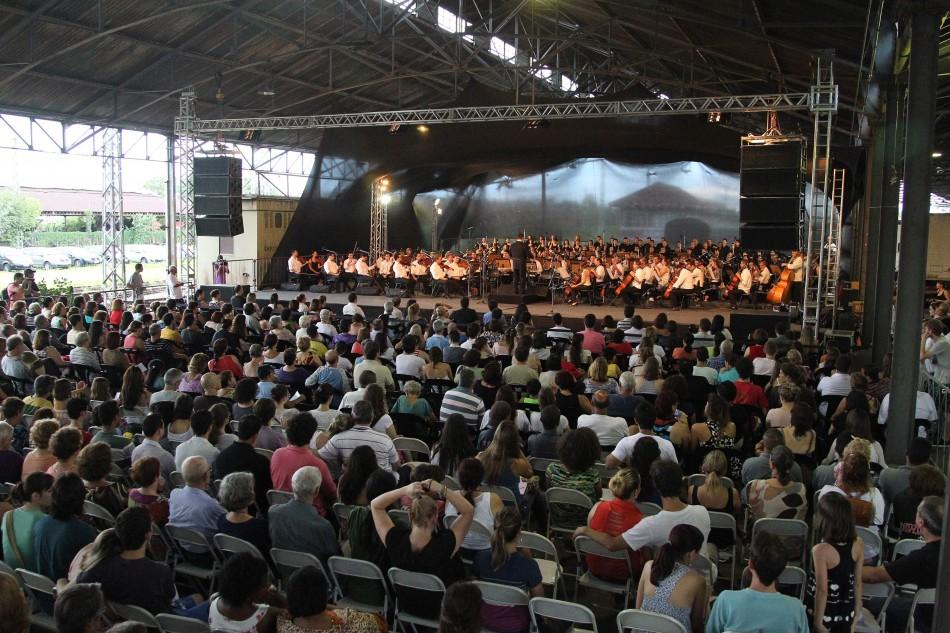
column 113, row 215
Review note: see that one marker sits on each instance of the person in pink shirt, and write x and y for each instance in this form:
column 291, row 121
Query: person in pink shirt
column 593, row 340
column 15, row 289
column 287, row 460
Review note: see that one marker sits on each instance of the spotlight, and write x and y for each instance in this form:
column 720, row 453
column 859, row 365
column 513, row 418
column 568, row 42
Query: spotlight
column 386, row 198
column 937, row 154
column 267, row 90
column 714, row 117
column 384, row 183
column 536, row 124
column 437, row 201
column 394, row 128
column 423, row 129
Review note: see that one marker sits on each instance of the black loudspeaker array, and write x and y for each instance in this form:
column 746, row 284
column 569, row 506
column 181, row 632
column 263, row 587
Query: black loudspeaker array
column 771, row 182
column 218, row 196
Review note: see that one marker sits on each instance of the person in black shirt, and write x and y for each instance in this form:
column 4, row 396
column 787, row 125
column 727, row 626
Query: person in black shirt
column 920, row 567
column 241, row 456
column 519, row 259
column 464, row 315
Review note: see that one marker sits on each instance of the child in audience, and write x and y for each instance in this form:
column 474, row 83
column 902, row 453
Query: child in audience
column 833, row 594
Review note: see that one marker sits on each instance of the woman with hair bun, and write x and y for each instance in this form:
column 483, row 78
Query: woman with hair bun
column 486, row 505
column 504, row 564
column 669, row 586
column 33, row 497
column 615, row 516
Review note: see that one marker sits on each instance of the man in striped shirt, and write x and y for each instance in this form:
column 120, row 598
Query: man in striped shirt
column 336, row 452
column 462, row 400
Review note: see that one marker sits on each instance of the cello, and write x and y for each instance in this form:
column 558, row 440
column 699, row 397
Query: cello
column 779, row 293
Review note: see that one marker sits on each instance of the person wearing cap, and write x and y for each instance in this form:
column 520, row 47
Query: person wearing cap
column 30, row 289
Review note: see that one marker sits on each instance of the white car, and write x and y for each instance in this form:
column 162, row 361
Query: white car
column 144, row 253
column 47, row 258
column 83, row 255
column 14, row 259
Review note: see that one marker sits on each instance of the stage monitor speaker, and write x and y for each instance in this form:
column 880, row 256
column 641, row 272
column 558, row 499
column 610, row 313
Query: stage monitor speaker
column 218, row 205
column 742, row 325
column 766, row 237
column 770, row 182
column 224, row 226
column 772, row 156
column 779, row 210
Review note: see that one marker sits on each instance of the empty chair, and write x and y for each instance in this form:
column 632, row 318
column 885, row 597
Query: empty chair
column 632, row 620
column 277, row 497
column 413, row 589
column 548, row 562
column 200, row 568
column 356, row 580
column 877, row 597
column 42, row 594
column 230, row 545
column 585, row 546
column 417, row 449
column 507, row 496
column 725, row 521
column 287, row 562
column 574, row 614
column 180, row 624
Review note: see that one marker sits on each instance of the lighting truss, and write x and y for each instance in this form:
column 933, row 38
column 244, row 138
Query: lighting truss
column 580, row 109
column 113, row 216
column 185, row 144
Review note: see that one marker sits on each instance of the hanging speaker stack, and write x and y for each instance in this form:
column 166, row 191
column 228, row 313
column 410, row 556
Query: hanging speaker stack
column 218, row 208
column 771, row 186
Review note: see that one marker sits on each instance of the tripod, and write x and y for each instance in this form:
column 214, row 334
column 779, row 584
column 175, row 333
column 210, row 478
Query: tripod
column 553, row 287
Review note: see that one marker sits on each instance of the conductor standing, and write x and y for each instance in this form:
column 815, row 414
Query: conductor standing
column 519, row 260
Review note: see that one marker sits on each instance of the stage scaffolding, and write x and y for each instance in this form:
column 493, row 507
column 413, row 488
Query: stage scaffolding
column 185, row 144
column 821, row 101
column 113, row 214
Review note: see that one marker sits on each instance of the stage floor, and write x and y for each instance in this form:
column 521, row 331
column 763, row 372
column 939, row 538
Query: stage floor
column 543, row 309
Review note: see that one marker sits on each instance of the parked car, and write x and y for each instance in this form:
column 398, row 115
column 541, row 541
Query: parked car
column 47, row 258
column 144, row 253
column 14, row 259
column 82, row 255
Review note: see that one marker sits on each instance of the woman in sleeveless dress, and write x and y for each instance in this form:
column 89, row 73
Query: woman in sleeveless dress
column 714, row 495
column 669, row 586
column 833, row 594
column 471, row 473
column 244, row 597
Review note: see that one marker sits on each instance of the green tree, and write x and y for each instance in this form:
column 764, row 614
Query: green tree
column 19, row 216
column 156, row 185
column 139, row 230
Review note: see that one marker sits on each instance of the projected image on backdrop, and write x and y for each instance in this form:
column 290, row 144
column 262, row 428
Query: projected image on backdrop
column 590, row 197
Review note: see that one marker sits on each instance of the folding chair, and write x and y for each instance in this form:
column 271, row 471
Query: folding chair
column 549, row 562
column 185, row 558
column 229, row 545
column 574, row 614
column 98, row 515
column 342, row 513
column 477, row 527
column 266, row 453
column 507, row 496
column 288, row 561
column 905, row 546
column 401, row 580
column 786, row 529
column 451, row 483
column 132, row 613
column 277, row 497
column 179, row 624
column 41, row 592
column 585, row 546
column 342, row 569
column 568, row 499
column 498, row 595
column 725, row 521
column 880, row 594
column 412, row 446
column 636, row 620
column 793, row 576
column 699, row 479
column 400, row 517
column 648, row 509
column 922, row 597
column 873, row 544
column 540, row 465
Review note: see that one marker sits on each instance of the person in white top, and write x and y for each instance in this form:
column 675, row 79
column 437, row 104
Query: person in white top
column 294, row 263
column 744, row 287
column 610, row 430
column 683, row 287
column 765, row 366
column 837, row 384
column 172, row 285
column 332, row 270
column 797, row 266
column 925, row 408
column 408, row 363
column 351, row 309
column 623, row 453
column 654, row 531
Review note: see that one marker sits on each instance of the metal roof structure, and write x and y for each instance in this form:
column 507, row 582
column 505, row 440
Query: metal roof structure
column 115, row 62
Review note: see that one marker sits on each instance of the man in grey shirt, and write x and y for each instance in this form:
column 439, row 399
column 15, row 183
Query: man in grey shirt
column 170, row 392
column 296, row 525
column 894, row 481
column 154, row 429
column 758, row 467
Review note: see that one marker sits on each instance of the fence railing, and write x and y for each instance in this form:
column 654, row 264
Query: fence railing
column 257, row 273
column 940, row 431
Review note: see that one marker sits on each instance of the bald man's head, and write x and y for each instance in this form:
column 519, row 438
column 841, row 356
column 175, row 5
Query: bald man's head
column 195, row 471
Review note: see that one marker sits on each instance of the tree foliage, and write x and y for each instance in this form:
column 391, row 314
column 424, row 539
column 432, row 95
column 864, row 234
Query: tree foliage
column 19, row 216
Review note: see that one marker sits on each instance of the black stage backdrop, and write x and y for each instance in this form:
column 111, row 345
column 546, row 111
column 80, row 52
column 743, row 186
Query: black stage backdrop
column 669, row 176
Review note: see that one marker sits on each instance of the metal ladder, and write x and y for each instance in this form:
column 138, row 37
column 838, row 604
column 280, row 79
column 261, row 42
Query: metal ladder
column 832, row 253
column 824, row 104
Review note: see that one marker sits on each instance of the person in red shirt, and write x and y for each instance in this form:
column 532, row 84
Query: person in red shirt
column 297, row 454
column 593, row 340
column 746, row 391
column 619, row 345
column 115, row 315
column 757, row 349
column 614, row 517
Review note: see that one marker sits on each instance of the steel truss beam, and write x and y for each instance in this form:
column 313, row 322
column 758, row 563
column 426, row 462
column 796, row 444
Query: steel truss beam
column 113, row 215
column 185, row 145
column 576, row 110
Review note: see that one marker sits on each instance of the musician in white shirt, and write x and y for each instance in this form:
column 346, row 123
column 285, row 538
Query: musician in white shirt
column 797, row 266
column 294, row 264
column 403, row 274
column 763, row 276
column 683, row 287
column 439, row 276
column 367, row 274
column 744, row 288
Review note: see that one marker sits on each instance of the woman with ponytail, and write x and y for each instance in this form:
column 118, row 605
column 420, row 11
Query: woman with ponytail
column 715, row 496
column 614, row 517
column 471, row 473
column 32, row 496
column 506, row 565
column 778, row 497
column 669, row 587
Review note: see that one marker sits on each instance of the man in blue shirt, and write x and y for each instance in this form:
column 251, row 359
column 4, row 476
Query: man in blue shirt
column 192, row 507
column 265, row 375
column 296, row 525
column 438, row 336
column 760, row 607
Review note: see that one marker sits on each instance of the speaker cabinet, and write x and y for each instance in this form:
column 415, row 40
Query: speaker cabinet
column 765, row 237
column 223, row 226
column 773, row 156
column 218, row 184
column 784, row 210
column 770, row 182
column 217, row 205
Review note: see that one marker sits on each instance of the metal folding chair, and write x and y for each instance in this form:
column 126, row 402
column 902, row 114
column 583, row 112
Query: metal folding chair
column 342, row 569
column 569, row 612
column 634, row 620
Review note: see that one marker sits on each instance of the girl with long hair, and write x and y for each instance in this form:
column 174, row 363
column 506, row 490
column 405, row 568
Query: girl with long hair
column 669, row 586
column 833, row 593
column 504, row 462
column 454, row 445
column 376, row 396
column 714, row 495
column 461, row 609
column 359, row 467
column 133, row 393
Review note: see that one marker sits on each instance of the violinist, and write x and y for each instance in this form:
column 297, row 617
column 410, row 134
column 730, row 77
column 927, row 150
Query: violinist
column 763, row 277
column 699, row 275
column 683, row 286
column 368, row 275
column 348, row 274
column 402, row 273
column 312, row 270
column 615, row 271
column 583, row 282
column 332, row 271
column 419, row 269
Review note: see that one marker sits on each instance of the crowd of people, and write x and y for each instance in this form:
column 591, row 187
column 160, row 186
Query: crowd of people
column 126, row 429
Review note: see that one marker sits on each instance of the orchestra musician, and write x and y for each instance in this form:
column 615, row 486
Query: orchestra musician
column 402, row 273
column 348, row 274
column 367, row 274
column 797, row 266
column 440, row 278
column 313, row 270
column 763, row 278
column 683, row 286
column 744, row 288
column 332, row 271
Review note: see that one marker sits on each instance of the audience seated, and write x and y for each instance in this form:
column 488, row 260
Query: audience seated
column 486, row 505
column 307, row 609
column 33, row 499
column 614, row 516
column 191, row 506
column 80, row 608
column 245, row 602
column 236, row 495
column 58, row 537
column 296, row 525
column 668, row 584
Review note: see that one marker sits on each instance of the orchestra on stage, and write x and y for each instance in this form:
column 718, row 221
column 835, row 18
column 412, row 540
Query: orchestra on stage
column 635, row 271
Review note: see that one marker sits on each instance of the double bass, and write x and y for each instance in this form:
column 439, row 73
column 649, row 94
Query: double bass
column 782, row 289
column 732, row 285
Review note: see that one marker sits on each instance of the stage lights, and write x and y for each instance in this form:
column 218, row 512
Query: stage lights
column 422, row 129
column 386, row 198
column 936, row 154
column 714, row 117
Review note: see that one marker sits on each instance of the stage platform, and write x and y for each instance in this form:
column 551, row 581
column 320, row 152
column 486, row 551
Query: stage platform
column 541, row 311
